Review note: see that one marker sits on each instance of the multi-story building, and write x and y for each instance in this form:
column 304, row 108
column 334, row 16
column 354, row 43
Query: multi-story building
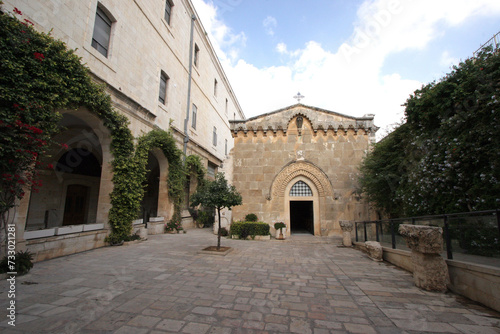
column 161, row 71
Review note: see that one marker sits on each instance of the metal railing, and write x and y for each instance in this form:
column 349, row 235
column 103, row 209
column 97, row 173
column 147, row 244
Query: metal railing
column 493, row 41
column 472, row 233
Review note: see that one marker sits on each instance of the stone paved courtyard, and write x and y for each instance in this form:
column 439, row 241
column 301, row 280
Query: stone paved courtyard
column 305, row 284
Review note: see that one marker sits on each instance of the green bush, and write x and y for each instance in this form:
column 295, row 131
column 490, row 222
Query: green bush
column 279, row 226
column 22, row 263
column 477, row 237
column 244, row 229
column 224, row 232
column 251, row 217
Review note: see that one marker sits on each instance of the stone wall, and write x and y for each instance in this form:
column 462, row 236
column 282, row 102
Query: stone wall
column 48, row 248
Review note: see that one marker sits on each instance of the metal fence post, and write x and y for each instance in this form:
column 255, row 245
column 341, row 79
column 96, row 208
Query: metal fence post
column 376, row 231
column 356, row 230
column 393, row 235
column 498, row 220
column 366, row 235
column 447, row 238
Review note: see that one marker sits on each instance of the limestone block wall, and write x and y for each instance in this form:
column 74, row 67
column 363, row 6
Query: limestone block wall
column 271, row 152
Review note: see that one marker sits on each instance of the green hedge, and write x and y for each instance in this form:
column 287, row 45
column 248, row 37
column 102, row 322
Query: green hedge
column 249, row 229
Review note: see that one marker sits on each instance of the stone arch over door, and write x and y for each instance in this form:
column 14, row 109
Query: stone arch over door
column 164, row 205
column 310, row 174
column 83, row 165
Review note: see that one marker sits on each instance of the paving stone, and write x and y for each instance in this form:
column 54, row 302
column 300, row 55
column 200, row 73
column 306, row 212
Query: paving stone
column 196, row 328
column 131, row 330
column 170, row 325
column 361, row 329
column 144, row 321
column 204, row 310
column 272, row 327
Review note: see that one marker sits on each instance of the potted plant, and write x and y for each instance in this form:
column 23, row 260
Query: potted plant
column 279, row 227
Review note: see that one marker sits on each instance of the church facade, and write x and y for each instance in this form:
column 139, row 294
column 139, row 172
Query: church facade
column 299, row 166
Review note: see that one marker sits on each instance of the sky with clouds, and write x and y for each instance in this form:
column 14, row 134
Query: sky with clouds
column 354, row 57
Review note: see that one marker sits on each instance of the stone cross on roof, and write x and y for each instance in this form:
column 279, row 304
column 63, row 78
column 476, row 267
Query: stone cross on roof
column 298, row 97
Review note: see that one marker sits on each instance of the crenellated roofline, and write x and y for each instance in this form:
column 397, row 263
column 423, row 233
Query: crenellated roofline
column 320, row 120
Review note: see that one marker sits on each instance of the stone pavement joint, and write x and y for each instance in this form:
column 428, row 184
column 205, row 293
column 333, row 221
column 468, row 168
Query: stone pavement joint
column 304, row 285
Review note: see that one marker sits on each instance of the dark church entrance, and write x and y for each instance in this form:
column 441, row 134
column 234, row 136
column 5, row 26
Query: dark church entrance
column 301, row 217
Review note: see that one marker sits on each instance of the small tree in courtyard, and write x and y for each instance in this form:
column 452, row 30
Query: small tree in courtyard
column 217, row 194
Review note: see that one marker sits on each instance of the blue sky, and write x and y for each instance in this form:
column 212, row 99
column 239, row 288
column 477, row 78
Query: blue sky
column 350, row 56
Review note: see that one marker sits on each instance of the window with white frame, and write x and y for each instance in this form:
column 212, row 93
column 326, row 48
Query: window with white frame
column 168, row 10
column 162, row 95
column 196, row 55
column 211, row 169
column 102, row 32
column 194, row 115
column 214, row 137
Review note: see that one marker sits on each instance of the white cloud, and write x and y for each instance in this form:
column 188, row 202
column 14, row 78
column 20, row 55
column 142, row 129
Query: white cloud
column 225, row 42
column 447, row 60
column 269, row 25
column 347, row 80
column 281, row 48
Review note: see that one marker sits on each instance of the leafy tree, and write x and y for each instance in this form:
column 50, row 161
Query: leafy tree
column 382, row 172
column 445, row 158
column 217, row 194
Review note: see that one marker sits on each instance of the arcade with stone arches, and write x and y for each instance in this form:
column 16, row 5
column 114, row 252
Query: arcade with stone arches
column 299, row 166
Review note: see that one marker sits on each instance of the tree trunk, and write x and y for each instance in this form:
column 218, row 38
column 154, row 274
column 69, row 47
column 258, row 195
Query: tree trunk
column 218, row 231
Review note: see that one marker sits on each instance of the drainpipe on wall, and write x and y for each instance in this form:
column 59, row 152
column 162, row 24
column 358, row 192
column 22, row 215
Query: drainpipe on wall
column 186, row 121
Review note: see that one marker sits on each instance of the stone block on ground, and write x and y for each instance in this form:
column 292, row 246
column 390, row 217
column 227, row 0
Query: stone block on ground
column 374, row 250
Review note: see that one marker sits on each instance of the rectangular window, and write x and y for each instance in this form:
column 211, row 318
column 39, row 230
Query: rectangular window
column 211, row 169
column 162, row 96
column 196, row 54
column 102, row 32
column 226, row 107
column 214, row 137
column 215, row 87
column 168, row 11
column 195, row 112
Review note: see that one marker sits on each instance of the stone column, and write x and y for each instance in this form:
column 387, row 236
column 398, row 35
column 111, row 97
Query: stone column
column 430, row 271
column 346, row 227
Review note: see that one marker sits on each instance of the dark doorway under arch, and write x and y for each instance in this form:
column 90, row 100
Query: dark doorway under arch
column 301, row 217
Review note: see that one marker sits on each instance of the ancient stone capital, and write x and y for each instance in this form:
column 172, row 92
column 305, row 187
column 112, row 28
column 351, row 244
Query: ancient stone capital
column 346, row 225
column 374, row 250
column 423, row 239
column 430, row 271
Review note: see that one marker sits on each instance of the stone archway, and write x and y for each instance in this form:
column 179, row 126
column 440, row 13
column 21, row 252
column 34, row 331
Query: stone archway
column 315, row 179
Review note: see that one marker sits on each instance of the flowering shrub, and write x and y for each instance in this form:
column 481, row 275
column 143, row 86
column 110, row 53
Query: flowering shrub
column 173, row 225
column 445, row 158
column 28, row 99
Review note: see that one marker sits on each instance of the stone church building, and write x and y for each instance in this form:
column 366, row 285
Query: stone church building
column 299, row 165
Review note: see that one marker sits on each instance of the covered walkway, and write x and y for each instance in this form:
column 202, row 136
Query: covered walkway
column 305, row 284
